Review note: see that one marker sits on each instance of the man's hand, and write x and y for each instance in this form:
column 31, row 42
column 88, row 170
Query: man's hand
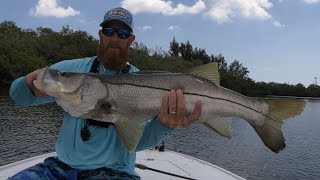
column 30, row 78
column 173, row 113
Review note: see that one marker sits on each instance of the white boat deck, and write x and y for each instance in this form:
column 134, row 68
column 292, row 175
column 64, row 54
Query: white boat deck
column 167, row 161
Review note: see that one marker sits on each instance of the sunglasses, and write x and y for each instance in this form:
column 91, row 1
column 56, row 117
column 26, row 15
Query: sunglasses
column 122, row 33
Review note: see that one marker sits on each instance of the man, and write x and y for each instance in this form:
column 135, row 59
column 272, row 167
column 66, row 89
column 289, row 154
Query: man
column 89, row 149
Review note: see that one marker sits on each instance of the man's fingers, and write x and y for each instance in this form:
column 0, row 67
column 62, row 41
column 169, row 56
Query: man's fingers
column 196, row 112
column 181, row 105
column 44, row 95
column 38, row 93
column 173, row 103
column 30, row 78
column 164, row 105
column 173, row 112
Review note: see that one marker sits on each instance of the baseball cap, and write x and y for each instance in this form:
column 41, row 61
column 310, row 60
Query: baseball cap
column 119, row 14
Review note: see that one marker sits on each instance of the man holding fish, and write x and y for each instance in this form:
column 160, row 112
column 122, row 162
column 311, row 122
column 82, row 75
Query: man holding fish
column 86, row 147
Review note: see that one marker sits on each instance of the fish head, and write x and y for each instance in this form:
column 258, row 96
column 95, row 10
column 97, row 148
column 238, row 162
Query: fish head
column 58, row 84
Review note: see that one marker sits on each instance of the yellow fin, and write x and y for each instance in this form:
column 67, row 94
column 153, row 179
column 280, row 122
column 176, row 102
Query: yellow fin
column 208, row 71
column 271, row 135
column 220, row 125
column 282, row 109
column 279, row 110
column 130, row 133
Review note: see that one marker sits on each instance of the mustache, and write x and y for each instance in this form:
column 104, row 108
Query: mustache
column 113, row 45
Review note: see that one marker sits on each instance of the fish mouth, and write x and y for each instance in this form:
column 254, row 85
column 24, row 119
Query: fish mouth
column 39, row 82
column 46, row 79
column 53, row 81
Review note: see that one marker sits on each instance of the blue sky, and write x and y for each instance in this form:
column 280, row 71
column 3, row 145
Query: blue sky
column 277, row 40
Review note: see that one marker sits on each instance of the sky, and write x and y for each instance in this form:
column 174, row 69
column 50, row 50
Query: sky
column 277, row 40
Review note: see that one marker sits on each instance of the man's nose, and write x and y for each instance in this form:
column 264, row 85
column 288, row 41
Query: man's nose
column 115, row 36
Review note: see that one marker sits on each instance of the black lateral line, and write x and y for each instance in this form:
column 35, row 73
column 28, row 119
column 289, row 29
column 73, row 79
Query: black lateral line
column 166, row 89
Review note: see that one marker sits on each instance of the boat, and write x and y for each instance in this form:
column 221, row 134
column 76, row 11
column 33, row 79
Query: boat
column 150, row 164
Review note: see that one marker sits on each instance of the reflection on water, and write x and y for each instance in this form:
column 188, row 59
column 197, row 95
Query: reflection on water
column 26, row 132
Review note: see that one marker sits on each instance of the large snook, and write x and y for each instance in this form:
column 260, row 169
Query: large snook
column 130, row 99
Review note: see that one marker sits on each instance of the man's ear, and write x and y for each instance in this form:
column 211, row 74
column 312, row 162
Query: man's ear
column 132, row 38
column 100, row 34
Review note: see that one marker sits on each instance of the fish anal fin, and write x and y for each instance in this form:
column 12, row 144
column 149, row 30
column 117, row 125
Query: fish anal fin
column 130, row 133
column 220, row 125
column 208, row 71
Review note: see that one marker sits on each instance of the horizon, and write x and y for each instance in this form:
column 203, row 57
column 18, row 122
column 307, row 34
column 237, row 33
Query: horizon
column 275, row 40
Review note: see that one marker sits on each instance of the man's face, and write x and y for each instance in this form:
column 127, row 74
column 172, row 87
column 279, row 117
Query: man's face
column 113, row 52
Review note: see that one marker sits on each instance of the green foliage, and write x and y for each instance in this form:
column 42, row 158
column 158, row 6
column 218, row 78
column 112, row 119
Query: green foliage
column 142, row 57
column 313, row 90
column 236, row 69
column 18, row 55
column 174, row 48
column 24, row 50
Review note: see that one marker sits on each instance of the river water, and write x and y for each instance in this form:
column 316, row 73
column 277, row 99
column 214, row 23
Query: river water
column 27, row 132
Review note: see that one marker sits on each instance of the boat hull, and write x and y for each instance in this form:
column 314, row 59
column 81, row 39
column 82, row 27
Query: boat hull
column 167, row 161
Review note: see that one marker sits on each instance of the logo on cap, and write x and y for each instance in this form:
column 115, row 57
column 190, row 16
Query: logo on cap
column 118, row 12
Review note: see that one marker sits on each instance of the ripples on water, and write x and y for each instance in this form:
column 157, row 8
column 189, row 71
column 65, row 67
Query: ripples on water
column 27, row 132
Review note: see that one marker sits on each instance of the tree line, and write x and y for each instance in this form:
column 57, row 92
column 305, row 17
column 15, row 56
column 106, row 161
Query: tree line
column 24, row 50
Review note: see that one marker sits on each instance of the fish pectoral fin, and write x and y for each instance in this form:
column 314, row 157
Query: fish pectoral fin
column 219, row 125
column 208, row 71
column 130, row 133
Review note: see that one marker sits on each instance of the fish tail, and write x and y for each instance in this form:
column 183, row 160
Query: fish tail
column 279, row 110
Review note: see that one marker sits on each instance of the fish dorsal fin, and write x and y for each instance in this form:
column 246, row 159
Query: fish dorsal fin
column 130, row 133
column 208, row 71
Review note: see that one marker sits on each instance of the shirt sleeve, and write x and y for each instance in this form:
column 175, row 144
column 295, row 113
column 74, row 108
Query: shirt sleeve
column 21, row 94
column 153, row 133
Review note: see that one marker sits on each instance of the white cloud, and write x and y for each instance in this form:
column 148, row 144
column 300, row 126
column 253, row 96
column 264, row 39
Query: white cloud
column 51, row 8
column 162, row 6
column 226, row 10
column 145, row 28
column 86, row 21
column 311, row 1
column 220, row 11
column 174, row 28
column 277, row 24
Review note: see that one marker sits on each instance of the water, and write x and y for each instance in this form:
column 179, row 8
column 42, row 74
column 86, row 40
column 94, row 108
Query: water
column 27, row 132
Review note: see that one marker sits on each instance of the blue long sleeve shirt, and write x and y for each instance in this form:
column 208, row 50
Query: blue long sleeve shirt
column 104, row 148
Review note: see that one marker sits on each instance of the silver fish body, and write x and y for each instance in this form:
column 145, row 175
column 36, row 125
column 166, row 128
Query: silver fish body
column 138, row 96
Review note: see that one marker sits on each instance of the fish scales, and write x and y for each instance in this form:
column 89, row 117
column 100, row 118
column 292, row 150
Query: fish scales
column 139, row 95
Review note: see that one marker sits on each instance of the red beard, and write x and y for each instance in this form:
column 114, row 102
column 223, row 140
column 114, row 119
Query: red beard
column 113, row 56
